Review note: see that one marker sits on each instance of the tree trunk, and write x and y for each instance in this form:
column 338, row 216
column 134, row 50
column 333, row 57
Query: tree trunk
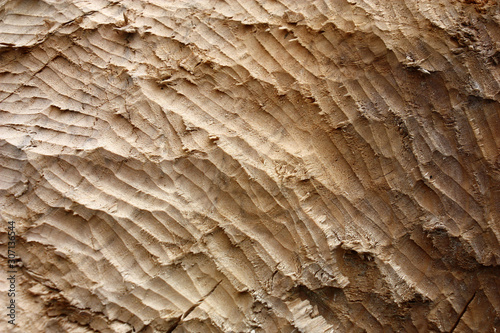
column 250, row 166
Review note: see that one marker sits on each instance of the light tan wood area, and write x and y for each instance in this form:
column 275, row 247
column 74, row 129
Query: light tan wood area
column 251, row 165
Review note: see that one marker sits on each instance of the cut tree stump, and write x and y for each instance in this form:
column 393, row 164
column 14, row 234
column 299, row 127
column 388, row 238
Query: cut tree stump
column 250, row 165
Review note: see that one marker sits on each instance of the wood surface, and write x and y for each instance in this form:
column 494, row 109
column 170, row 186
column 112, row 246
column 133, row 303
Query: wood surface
column 251, row 165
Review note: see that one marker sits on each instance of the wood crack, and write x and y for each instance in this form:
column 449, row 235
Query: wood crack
column 463, row 312
column 179, row 319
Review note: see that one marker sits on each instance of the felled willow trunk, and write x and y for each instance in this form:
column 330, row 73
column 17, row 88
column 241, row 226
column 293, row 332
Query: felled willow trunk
column 251, row 165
